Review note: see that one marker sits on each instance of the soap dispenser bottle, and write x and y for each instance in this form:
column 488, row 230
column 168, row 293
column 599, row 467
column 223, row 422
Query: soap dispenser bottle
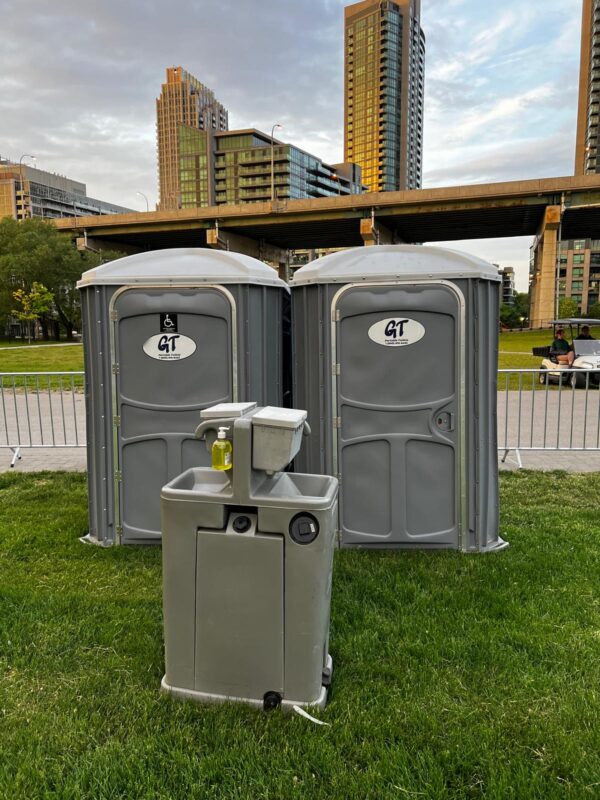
column 222, row 451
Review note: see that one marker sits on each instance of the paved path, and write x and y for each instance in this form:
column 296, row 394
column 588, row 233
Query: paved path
column 549, row 418
column 567, row 419
column 33, row 346
column 71, row 459
column 74, row 460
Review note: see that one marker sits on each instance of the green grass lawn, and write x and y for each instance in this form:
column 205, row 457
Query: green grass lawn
column 455, row 676
column 66, row 358
column 523, row 341
column 25, row 343
column 515, row 352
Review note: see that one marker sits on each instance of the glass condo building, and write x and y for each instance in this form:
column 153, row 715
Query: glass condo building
column 384, row 92
column 234, row 167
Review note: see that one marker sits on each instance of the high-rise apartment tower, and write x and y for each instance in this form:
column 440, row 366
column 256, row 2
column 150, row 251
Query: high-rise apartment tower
column 587, row 159
column 384, row 87
column 184, row 103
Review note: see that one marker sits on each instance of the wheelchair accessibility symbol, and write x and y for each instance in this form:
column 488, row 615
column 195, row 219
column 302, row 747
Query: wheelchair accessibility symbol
column 168, row 323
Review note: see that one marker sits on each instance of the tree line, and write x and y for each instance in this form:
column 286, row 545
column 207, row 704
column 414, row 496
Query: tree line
column 39, row 270
column 516, row 315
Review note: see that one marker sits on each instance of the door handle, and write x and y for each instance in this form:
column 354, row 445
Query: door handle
column 444, row 421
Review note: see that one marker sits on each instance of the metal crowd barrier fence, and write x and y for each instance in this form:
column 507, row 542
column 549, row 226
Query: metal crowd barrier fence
column 41, row 409
column 536, row 411
column 548, row 410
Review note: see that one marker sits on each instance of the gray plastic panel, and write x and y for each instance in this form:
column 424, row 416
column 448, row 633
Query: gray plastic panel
column 239, row 614
column 99, row 414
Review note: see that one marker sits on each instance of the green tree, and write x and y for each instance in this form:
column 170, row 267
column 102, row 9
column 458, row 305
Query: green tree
column 594, row 311
column 522, row 305
column 516, row 314
column 509, row 316
column 567, row 308
column 31, row 304
column 33, row 250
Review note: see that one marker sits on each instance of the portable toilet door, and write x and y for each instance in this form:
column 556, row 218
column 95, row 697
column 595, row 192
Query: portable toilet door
column 194, row 339
column 398, row 404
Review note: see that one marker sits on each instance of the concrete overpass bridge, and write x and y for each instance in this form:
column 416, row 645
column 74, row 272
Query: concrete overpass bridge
column 548, row 209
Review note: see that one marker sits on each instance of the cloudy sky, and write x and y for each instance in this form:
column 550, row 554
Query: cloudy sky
column 79, row 79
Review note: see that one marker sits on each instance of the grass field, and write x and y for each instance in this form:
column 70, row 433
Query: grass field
column 65, row 358
column 32, row 343
column 62, row 358
column 515, row 349
column 455, row 676
column 515, row 353
column 523, row 341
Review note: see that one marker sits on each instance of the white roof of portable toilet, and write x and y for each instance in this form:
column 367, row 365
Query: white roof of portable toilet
column 383, row 263
column 188, row 266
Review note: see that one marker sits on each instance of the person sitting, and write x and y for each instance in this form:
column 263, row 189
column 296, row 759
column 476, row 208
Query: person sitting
column 561, row 349
column 585, row 334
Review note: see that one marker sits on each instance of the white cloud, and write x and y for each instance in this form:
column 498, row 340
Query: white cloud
column 505, row 112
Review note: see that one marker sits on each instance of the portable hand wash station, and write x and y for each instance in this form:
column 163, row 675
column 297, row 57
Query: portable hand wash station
column 247, row 564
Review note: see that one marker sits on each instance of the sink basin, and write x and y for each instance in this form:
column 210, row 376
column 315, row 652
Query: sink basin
column 286, row 488
column 282, row 490
column 200, row 480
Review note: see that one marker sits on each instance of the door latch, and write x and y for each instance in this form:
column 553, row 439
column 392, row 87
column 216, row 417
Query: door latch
column 444, row 421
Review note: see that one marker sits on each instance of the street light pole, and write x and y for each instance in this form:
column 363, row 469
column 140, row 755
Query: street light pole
column 21, row 181
column 276, row 125
column 145, row 198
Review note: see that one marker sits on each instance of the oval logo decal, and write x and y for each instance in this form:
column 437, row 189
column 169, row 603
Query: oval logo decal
column 169, row 347
column 396, row 332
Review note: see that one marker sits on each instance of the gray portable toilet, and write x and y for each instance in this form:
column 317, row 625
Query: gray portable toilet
column 395, row 359
column 166, row 334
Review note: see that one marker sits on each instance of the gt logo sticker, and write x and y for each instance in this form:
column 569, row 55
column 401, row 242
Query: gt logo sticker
column 396, row 332
column 169, row 347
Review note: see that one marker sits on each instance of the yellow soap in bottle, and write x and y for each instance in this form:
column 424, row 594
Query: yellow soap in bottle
column 222, row 451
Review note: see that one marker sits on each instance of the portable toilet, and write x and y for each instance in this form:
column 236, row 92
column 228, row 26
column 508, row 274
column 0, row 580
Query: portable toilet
column 395, row 360
column 166, row 334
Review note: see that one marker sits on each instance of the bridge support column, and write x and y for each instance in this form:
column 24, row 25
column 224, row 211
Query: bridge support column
column 374, row 232
column 543, row 284
column 276, row 257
